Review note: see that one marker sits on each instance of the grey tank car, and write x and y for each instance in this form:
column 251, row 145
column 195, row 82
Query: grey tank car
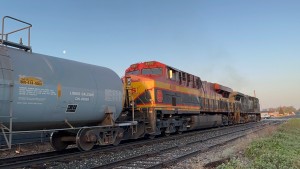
column 79, row 103
column 50, row 92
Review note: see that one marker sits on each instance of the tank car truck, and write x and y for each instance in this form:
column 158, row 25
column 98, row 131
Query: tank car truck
column 80, row 102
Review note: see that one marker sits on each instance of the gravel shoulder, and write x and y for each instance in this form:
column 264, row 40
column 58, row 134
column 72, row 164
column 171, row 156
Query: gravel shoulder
column 26, row 149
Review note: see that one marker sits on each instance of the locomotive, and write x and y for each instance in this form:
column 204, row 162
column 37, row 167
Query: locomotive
column 86, row 105
column 167, row 100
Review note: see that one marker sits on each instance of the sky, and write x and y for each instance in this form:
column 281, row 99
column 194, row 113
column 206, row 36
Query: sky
column 246, row 45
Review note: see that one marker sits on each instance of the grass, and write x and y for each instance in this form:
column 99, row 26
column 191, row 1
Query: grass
column 279, row 150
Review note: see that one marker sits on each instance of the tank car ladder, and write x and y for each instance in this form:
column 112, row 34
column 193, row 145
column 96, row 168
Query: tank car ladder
column 7, row 82
column 6, row 130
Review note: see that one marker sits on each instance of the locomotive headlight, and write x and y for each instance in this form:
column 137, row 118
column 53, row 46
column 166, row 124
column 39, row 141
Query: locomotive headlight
column 128, row 80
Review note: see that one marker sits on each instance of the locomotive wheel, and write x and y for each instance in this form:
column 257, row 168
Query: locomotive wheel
column 83, row 141
column 150, row 136
column 167, row 134
column 117, row 141
column 170, row 129
column 56, row 141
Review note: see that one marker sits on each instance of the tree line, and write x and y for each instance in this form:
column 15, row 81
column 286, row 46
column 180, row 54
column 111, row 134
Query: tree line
column 284, row 110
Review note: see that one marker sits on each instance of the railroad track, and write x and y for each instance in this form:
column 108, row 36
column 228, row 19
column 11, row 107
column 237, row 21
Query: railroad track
column 168, row 156
column 58, row 159
column 50, row 156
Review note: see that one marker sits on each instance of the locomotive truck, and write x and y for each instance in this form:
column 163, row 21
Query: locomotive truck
column 86, row 105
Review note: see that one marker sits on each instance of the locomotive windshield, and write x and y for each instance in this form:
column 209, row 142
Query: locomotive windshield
column 152, row 71
column 135, row 72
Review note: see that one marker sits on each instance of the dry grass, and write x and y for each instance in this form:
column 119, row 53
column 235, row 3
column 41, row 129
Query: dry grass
column 238, row 147
column 270, row 149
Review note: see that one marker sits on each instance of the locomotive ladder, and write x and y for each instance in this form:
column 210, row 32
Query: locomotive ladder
column 6, row 99
column 129, row 100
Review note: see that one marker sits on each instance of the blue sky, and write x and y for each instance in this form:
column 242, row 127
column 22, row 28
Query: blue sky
column 246, row 45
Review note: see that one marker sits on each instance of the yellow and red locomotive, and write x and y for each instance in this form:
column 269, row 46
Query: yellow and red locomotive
column 166, row 100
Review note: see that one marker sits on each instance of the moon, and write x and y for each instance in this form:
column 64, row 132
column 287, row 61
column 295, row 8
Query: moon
column 64, row 51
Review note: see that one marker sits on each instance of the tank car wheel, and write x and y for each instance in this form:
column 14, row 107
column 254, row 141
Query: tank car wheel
column 179, row 132
column 151, row 136
column 85, row 140
column 117, row 142
column 56, row 141
column 119, row 137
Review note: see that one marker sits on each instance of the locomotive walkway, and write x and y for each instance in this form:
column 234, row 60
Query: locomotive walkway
column 155, row 153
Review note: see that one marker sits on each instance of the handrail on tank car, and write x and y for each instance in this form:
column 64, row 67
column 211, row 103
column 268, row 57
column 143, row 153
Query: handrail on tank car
column 4, row 36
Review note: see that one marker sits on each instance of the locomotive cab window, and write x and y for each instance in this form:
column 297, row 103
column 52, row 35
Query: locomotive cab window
column 152, row 71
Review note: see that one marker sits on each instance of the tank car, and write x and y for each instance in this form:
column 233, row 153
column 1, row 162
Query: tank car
column 40, row 92
column 48, row 92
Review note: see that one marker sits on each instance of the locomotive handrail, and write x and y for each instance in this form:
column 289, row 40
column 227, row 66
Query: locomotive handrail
column 4, row 36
